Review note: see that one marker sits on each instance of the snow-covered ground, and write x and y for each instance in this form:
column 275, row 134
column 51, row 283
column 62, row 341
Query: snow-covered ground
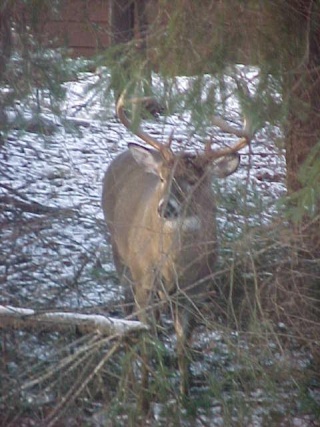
column 60, row 257
column 54, row 249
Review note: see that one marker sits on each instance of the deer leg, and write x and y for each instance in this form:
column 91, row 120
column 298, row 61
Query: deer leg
column 142, row 299
column 126, row 281
column 183, row 328
column 144, row 398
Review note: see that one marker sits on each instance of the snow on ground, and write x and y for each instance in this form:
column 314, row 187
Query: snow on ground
column 54, row 249
column 60, row 257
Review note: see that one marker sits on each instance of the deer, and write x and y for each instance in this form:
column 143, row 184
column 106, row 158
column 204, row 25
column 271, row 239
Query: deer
column 160, row 209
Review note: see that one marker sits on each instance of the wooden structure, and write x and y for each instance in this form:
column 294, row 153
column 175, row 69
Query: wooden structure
column 87, row 27
column 83, row 26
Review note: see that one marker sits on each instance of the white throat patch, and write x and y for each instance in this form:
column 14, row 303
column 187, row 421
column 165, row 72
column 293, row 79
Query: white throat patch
column 189, row 223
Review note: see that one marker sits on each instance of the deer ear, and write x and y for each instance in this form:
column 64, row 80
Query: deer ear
column 225, row 165
column 150, row 160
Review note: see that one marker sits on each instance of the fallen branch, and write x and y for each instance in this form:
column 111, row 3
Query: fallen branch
column 27, row 319
column 32, row 206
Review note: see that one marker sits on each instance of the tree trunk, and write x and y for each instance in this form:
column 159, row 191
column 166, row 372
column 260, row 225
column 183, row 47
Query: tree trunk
column 5, row 53
column 128, row 24
column 302, row 90
column 121, row 21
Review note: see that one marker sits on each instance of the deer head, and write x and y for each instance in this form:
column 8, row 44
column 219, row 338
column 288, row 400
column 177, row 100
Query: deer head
column 160, row 210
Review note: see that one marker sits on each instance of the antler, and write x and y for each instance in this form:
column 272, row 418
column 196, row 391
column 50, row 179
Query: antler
column 164, row 149
column 245, row 134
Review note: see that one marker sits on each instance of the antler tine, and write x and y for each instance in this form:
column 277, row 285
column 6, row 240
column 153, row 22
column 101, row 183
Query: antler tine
column 164, row 149
column 225, row 127
column 245, row 135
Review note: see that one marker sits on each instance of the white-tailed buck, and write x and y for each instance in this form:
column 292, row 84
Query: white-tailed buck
column 160, row 210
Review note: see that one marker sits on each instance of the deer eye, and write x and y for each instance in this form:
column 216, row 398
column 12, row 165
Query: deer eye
column 169, row 209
